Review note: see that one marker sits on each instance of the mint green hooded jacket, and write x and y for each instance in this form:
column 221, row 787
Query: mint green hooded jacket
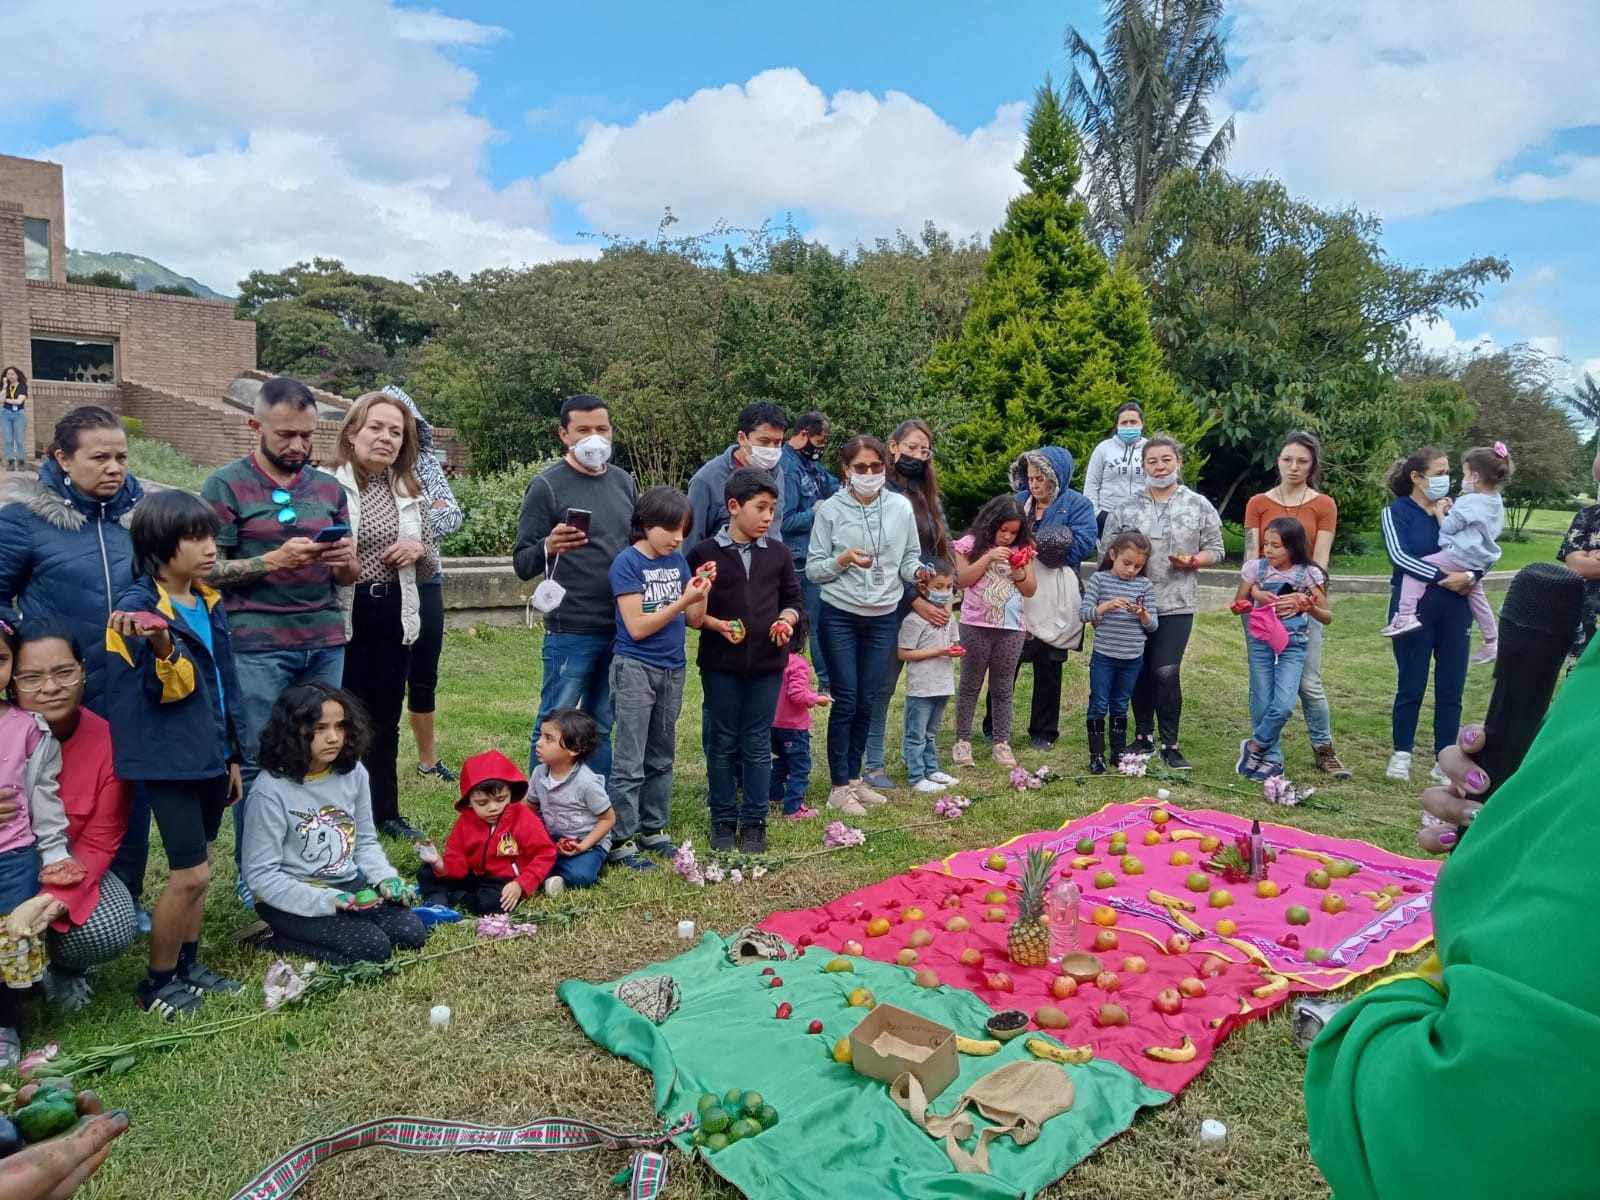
column 885, row 529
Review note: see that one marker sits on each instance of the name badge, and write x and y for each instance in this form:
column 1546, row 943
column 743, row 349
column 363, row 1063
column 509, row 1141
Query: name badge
column 879, row 575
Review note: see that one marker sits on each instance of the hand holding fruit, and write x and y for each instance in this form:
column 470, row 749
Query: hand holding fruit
column 150, row 626
column 55, row 1165
column 699, row 588
column 1185, row 562
column 429, row 853
column 398, row 891
column 1021, row 556
column 854, row 557
column 1454, row 804
column 733, row 631
column 780, row 632
column 568, row 846
column 1241, row 606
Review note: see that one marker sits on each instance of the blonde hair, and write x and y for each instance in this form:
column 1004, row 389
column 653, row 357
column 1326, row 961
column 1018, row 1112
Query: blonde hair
column 404, row 468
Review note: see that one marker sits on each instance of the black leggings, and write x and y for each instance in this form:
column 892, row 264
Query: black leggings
column 1158, row 695
column 347, row 937
column 376, row 660
column 424, row 673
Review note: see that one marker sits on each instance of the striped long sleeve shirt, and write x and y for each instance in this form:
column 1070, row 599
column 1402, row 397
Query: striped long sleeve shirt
column 1119, row 634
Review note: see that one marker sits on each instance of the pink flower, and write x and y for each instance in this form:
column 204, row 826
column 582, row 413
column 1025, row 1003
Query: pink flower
column 840, row 834
column 712, row 872
column 500, row 925
column 950, row 807
column 757, row 872
column 736, row 876
column 35, row 1060
column 284, row 984
column 1277, row 789
column 1133, row 765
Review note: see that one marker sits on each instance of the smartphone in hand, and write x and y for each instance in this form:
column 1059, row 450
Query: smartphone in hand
column 333, row 533
column 578, row 518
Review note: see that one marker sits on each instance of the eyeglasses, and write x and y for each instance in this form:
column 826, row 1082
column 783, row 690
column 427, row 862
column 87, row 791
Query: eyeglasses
column 286, row 515
column 876, row 468
column 63, row 677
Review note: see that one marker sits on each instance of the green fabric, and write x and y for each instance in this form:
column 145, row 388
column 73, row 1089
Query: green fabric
column 838, row 1134
column 1489, row 1087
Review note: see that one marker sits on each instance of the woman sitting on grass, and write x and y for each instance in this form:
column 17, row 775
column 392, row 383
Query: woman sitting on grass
column 311, row 854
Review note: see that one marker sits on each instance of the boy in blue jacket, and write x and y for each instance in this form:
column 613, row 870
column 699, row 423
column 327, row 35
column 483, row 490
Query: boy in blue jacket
column 172, row 701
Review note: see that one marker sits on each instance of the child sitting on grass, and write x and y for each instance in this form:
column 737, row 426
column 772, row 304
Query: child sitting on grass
column 791, row 728
column 929, row 652
column 312, row 858
column 570, row 799
column 498, row 852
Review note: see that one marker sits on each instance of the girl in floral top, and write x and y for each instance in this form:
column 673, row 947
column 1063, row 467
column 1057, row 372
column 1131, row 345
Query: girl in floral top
column 994, row 565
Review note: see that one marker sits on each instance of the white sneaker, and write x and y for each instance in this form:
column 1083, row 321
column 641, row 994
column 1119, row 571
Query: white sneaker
column 1439, row 776
column 865, row 795
column 1399, row 626
column 944, row 780
column 1399, row 765
column 554, row 885
column 843, row 799
column 930, row 784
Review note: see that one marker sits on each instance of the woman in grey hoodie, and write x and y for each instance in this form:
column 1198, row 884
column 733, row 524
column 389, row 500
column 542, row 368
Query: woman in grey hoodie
column 1115, row 473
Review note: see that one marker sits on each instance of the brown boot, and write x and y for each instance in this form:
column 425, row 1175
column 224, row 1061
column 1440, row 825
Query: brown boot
column 1328, row 762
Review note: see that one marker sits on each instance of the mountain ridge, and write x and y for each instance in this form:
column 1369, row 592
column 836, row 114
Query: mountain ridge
column 144, row 273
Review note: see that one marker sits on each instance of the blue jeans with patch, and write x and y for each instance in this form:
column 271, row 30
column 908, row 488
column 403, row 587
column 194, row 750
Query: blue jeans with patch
column 264, row 675
column 577, row 674
column 1274, row 688
column 791, row 768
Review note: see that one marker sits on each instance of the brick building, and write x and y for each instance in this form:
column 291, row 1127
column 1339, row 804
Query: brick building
column 167, row 360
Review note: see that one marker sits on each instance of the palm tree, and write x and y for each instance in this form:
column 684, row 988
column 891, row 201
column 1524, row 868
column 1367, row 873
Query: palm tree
column 1584, row 399
column 1142, row 107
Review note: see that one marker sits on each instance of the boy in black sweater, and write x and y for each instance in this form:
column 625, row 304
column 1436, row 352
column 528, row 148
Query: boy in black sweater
column 745, row 628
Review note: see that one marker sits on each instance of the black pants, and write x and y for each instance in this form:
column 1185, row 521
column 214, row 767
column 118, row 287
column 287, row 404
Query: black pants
column 1044, row 717
column 1158, row 696
column 423, row 674
column 478, row 894
column 376, row 663
column 346, row 937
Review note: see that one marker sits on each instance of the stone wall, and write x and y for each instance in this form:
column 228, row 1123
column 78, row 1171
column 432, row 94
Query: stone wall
column 51, row 401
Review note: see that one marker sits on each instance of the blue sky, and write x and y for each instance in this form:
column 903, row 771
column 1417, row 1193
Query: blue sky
column 220, row 136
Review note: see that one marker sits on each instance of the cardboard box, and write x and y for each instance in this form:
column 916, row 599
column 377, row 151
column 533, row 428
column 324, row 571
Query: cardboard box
column 890, row 1041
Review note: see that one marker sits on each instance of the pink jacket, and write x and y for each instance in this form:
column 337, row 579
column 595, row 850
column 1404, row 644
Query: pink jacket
column 796, row 700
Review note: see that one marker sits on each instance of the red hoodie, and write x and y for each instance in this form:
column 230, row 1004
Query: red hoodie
column 514, row 847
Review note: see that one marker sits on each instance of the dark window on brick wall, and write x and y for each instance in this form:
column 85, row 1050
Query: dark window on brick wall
column 70, row 361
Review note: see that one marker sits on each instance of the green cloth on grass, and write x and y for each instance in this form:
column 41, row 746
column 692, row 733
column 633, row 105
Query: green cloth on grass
column 838, row 1134
column 1489, row 1084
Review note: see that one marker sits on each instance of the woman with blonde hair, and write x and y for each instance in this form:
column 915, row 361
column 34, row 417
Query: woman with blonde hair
column 375, row 463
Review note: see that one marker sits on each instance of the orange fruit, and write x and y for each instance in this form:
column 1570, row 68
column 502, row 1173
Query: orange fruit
column 1104, row 915
column 878, row 927
column 1266, row 889
column 1152, row 837
column 1226, row 928
column 1160, row 817
column 1209, row 843
column 1180, row 858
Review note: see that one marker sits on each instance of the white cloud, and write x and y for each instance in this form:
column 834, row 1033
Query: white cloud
column 1416, row 107
column 1440, row 337
column 858, row 165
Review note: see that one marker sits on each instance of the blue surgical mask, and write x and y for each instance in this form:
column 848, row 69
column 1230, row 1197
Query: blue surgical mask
column 1438, row 487
column 940, row 598
column 1130, row 435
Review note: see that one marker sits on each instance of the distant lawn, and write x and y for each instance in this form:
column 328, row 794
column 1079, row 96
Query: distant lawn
column 1544, row 532
column 209, row 1116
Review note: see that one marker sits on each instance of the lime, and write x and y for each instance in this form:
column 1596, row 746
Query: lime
column 700, row 1137
column 768, row 1117
column 706, row 1101
column 743, row 1128
column 717, row 1141
column 753, row 1103
column 731, row 1099
column 715, row 1119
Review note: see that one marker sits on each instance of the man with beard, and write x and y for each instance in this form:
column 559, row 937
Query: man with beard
column 280, row 587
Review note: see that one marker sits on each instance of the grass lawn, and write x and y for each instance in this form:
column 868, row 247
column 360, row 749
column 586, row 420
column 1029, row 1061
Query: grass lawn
column 207, row 1117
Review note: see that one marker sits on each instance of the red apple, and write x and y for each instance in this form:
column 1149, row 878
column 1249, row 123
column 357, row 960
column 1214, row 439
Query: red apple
column 1105, row 940
column 1168, row 1001
column 1192, row 988
column 1108, row 981
column 1178, row 944
column 852, row 947
column 1063, row 987
column 1111, row 1014
column 1000, row 982
column 972, row 957
column 1213, row 966
column 803, row 940
column 950, row 901
column 1134, row 965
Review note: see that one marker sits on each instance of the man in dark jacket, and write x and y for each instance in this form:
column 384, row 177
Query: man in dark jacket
column 806, row 484
column 759, row 444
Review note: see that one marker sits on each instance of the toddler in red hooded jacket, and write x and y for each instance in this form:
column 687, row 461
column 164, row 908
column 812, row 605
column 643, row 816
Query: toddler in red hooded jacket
column 498, row 851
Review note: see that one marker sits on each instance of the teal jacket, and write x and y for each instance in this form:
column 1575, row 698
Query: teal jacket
column 885, row 529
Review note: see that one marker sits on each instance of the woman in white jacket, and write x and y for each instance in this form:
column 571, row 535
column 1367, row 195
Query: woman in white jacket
column 375, row 463
column 1115, row 473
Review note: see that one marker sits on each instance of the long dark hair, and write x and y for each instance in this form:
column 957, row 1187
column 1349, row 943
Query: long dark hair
column 990, row 517
column 1128, row 539
column 923, row 493
column 1293, row 536
column 286, row 740
column 22, row 379
column 1312, row 445
column 1398, row 480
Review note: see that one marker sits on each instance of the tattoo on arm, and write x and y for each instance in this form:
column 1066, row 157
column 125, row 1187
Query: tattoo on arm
column 231, row 571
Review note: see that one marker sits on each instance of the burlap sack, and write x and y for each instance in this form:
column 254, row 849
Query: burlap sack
column 1019, row 1098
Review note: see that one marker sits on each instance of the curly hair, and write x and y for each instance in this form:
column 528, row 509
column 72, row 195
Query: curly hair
column 286, row 741
column 579, row 732
column 991, row 516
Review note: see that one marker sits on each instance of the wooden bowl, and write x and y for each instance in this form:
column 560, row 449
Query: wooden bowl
column 1082, row 966
column 1003, row 1033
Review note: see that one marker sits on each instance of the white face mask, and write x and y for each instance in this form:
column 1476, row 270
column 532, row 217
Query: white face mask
column 765, row 457
column 1160, row 481
column 593, row 451
column 867, row 485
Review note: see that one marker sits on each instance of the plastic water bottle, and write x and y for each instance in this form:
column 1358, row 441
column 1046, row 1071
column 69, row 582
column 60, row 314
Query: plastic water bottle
column 1063, row 908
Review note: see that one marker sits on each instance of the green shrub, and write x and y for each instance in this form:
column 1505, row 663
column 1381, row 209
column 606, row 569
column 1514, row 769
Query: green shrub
column 134, row 426
column 160, row 463
column 492, row 503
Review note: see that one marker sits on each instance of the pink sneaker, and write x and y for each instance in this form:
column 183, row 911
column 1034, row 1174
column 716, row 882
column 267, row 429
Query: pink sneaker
column 1400, row 625
column 1486, row 654
column 803, row 813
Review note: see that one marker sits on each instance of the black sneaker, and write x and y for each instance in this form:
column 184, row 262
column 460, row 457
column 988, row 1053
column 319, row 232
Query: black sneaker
column 171, row 1000
column 753, row 839
column 723, row 834
column 437, row 771
column 1142, row 744
column 1039, row 743
column 399, row 827
column 199, row 978
column 1175, row 760
column 1097, row 764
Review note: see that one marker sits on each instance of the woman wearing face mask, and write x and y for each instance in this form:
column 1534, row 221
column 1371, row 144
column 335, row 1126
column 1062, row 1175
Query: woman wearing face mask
column 911, row 474
column 1421, row 485
column 1115, row 473
column 864, row 551
column 1185, row 534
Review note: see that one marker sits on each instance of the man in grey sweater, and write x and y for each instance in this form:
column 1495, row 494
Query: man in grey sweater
column 575, row 519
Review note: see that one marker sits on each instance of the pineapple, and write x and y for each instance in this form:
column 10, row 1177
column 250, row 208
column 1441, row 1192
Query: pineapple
column 1028, row 939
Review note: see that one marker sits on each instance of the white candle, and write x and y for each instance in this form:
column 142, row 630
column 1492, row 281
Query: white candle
column 439, row 1016
column 1212, row 1131
column 686, row 929
column 1163, row 794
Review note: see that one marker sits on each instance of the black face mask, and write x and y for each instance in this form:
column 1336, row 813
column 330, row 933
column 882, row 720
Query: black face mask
column 911, row 468
column 811, row 450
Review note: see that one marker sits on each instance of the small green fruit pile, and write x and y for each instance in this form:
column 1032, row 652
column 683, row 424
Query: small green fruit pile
column 731, row 1118
column 50, row 1110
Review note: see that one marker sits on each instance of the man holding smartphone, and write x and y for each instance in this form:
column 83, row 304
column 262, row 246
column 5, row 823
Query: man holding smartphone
column 575, row 520
column 277, row 568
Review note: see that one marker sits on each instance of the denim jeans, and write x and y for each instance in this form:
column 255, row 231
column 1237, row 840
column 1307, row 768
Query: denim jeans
column 858, row 649
column 646, row 700
column 741, row 708
column 1111, row 683
column 579, row 870
column 1274, row 686
column 923, row 716
column 882, row 699
column 811, row 598
column 791, row 768
column 15, row 425
column 577, row 674
column 1313, row 699
column 264, row 675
